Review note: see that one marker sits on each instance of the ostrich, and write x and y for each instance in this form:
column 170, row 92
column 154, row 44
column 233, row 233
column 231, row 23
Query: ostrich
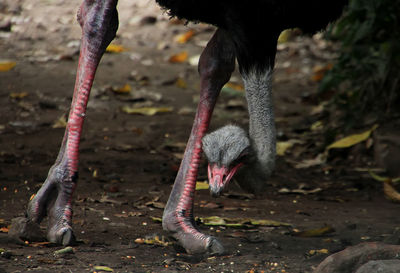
column 247, row 31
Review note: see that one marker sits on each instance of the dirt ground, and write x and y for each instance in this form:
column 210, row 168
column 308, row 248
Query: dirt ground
column 128, row 162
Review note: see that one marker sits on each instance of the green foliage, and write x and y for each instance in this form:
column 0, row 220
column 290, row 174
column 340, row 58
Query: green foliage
column 367, row 74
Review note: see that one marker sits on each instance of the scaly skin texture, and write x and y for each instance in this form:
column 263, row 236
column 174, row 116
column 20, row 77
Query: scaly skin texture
column 216, row 65
column 99, row 22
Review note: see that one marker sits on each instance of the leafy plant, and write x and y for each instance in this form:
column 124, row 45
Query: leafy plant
column 367, row 74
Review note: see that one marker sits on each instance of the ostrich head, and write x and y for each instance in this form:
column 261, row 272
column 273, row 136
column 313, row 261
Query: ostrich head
column 226, row 149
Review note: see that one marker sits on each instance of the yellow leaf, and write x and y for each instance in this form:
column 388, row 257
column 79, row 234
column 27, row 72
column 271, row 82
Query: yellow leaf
column 282, row 146
column 179, row 58
column 284, row 36
column 60, row 123
column 383, row 178
column 315, row 232
column 317, row 126
column 113, row 48
column 318, row 251
column 126, row 89
column 320, row 71
column 202, row 185
column 157, row 219
column 65, row 250
column 390, row 192
column 183, row 38
column 181, row 83
column 103, row 268
column 153, row 240
column 213, row 221
column 235, row 86
column 239, row 222
column 6, row 65
column 233, row 89
column 147, row 111
column 352, row 139
column 18, row 95
column 269, row 223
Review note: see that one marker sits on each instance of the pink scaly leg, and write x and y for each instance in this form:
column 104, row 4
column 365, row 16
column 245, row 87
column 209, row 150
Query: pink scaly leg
column 216, row 65
column 99, row 22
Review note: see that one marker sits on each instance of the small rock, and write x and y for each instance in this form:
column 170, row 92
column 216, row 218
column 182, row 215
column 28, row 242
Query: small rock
column 25, row 229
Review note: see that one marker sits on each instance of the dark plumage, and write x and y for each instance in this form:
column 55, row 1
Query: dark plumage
column 255, row 25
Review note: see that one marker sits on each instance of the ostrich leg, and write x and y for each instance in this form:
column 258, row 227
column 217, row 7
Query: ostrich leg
column 216, row 65
column 99, row 22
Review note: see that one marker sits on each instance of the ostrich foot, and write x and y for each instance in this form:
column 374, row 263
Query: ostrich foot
column 53, row 200
column 188, row 236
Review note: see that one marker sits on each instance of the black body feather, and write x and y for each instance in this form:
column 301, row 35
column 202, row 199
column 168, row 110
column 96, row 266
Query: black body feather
column 255, row 25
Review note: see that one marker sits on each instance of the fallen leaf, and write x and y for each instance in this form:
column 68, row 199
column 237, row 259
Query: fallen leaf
column 126, row 89
column 382, row 178
column 390, row 192
column 4, row 229
column 114, row 48
column 157, row 219
column 285, row 36
column 68, row 249
column 147, row 111
column 184, row 37
column 319, row 108
column 106, row 199
column 103, row 268
column 210, row 205
column 239, row 222
column 234, row 86
column 317, row 126
column 214, row 221
column 307, row 163
column 179, row 57
column 301, row 191
column 40, row 244
column 233, row 89
column 18, row 95
column 319, row 71
column 153, row 240
column 202, row 185
column 6, row 65
column 61, row 122
column 283, row 146
column 318, row 251
column 315, row 232
column 269, row 223
column 194, row 60
column 352, row 139
column 155, row 204
column 181, row 83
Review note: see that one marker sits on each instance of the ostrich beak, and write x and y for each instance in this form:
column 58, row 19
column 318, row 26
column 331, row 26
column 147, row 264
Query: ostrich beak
column 220, row 176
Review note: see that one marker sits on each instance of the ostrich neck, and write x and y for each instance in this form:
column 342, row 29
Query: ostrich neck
column 258, row 85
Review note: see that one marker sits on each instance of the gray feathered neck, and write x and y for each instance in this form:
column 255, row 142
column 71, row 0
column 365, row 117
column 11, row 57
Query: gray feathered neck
column 225, row 145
